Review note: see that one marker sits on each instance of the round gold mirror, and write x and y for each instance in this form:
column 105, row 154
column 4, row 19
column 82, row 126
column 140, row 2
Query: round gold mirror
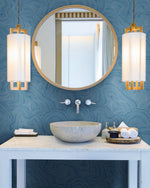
column 74, row 47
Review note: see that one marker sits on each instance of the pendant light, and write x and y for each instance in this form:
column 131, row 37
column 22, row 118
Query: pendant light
column 134, row 56
column 18, row 57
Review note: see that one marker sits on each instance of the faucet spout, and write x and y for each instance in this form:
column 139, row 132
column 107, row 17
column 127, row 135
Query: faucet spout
column 77, row 103
column 77, row 109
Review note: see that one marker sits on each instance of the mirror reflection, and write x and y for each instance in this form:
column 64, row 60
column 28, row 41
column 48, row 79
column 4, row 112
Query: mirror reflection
column 74, row 48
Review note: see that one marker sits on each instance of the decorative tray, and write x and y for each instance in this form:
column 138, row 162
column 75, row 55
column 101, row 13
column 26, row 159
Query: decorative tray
column 123, row 140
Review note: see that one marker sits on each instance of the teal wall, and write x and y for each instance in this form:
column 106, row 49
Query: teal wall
column 39, row 106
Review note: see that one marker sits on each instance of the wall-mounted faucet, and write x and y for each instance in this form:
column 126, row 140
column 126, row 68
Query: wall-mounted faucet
column 77, row 103
column 88, row 102
column 66, row 102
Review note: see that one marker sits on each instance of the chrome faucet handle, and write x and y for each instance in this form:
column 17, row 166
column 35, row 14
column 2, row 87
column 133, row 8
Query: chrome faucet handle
column 88, row 102
column 66, row 102
column 77, row 103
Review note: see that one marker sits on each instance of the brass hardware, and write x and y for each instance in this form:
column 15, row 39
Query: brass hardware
column 36, row 43
column 134, row 28
column 18, row 30
column 12, row 87
column 134, row 85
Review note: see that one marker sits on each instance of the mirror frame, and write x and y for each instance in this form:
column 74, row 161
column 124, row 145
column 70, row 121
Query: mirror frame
column 67, row 7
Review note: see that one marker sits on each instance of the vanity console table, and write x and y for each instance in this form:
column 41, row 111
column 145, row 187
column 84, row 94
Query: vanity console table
column 50, row 148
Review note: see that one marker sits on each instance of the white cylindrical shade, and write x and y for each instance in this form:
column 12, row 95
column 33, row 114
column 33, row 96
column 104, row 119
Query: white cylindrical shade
column 37, row 51
column 134, row 56
column 18, row 58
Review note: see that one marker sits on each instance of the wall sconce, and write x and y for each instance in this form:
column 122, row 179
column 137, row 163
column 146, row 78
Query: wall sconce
column 134, row 56
column 18, row 57
column 37, row 51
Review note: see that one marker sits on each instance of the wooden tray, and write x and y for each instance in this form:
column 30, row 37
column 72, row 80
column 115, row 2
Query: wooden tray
column 119, row 128
column 123, row 140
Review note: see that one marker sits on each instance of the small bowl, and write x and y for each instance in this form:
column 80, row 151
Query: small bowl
column 114, row 133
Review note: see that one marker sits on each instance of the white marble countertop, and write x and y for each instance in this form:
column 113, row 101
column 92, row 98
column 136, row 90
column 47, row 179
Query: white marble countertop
column 51, row 143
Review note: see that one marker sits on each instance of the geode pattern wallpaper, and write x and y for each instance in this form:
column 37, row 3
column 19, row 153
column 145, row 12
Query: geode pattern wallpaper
column 39, row 106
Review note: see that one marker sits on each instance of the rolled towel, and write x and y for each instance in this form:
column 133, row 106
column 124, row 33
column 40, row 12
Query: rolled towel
column 133, row 133
column 124, row 133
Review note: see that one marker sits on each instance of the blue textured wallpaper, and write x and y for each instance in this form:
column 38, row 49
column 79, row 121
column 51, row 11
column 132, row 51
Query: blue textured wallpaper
column 39, row 106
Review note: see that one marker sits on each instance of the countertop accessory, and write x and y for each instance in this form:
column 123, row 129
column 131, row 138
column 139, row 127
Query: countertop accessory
column 122, row 125
column 105, row 131
column 123, row 140
column 124, row 133
column 114, row 126
column 133, row 133
column 119, row 128
column 25, row 132
column 114, row 133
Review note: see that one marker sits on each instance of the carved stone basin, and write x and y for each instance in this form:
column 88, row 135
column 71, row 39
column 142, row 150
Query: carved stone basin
column 75, row 131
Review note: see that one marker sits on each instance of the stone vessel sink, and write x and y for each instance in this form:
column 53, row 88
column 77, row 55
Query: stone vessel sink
column 75, row 131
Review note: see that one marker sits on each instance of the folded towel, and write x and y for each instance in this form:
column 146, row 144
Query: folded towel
column 133, row 133
column 124, row 133
column 122, row 124
column 25, row 130
column 25, row 134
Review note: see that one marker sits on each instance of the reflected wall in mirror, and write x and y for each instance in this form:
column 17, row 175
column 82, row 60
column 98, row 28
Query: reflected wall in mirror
column 74, row 47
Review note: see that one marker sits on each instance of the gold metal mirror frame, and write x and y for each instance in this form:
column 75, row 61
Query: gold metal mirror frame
column 67, row 7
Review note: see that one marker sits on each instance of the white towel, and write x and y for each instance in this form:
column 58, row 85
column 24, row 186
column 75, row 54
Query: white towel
column 124, row 133
column 122, row 124
column 24, row 131
column 133, row 133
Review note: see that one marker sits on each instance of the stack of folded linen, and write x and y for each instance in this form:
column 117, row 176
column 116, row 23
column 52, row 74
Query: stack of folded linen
column 25, row 132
